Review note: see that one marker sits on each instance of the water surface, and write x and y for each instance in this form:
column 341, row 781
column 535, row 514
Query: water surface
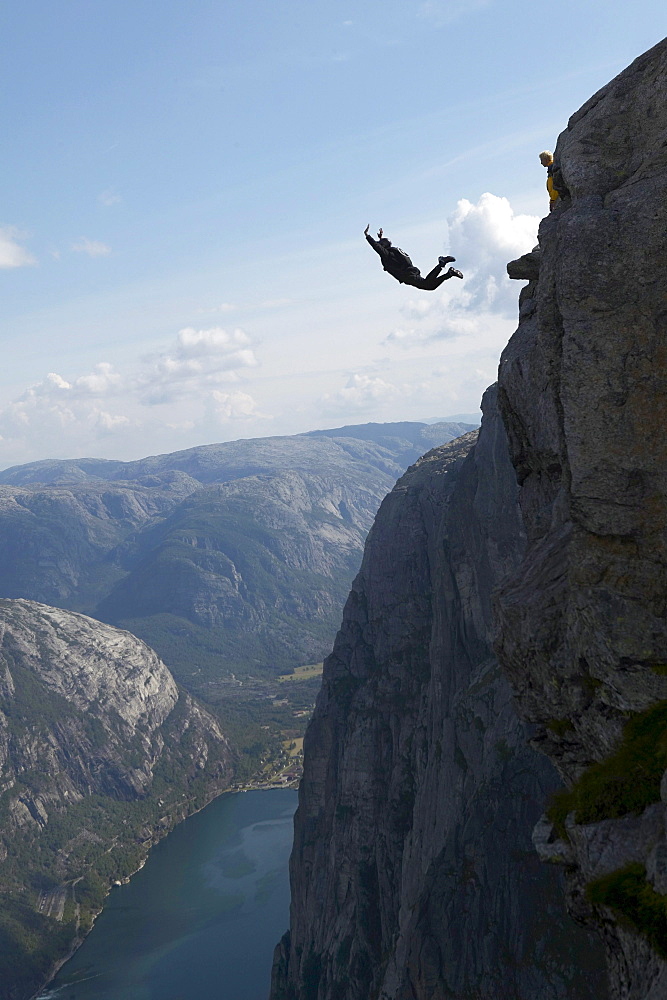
column 201, row 919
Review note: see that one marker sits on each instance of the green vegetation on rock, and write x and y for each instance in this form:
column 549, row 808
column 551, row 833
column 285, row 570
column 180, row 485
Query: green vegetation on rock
column 30, row 944
column 559, row 727
column 635, row 902
column 626, row 782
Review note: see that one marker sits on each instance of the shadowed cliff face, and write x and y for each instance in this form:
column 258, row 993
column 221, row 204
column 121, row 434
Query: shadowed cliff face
column 583, row 393
column 413, row 873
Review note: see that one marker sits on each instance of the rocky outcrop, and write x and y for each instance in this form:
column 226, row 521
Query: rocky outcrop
column 100, row 754
column 583, row 393
column 413, row 873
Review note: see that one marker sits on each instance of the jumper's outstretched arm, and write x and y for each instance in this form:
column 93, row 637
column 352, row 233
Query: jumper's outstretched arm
column 376, row 246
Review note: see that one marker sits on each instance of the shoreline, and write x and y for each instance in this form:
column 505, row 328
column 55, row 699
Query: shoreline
column 235, row 790
column 78, row 941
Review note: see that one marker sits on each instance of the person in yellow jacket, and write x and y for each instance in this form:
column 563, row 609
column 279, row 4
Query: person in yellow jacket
column 547, row 160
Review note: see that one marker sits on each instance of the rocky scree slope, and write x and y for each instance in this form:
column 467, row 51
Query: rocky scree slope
column 100, row 754
column 413, row 873
column 239, row 553
column 583, row 393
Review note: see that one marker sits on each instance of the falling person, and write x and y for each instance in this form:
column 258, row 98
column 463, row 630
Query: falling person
column 397, row 263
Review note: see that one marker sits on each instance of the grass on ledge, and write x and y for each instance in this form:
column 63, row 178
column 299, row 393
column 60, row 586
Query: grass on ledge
column 635, row 902
column 626, row 782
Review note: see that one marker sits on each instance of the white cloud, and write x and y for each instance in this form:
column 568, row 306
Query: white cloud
column 106, row 422
column 484, row 238
column 104, row 411
column 215, row 342
column 101, row 381
column 418, row 308
column 92, row 247
column 53, row 383
column 233, row 405
column 361, row 392
column 228, row 307
column 12, row 254
column 199, row 359
column 54, row 411
column 489, row 233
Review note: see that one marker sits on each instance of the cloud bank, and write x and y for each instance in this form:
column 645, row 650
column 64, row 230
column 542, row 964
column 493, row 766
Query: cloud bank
column 360, row 394
column 200, row 359
column 66, row 416
column 12, row 254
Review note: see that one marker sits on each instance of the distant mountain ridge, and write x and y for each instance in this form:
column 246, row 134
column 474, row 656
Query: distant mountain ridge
column 231, row 459
column 224, row 557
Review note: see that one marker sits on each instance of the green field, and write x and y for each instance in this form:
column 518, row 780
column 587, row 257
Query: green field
column 303, row 673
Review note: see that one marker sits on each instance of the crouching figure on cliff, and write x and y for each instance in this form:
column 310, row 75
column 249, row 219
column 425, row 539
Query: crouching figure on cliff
column 397, row 263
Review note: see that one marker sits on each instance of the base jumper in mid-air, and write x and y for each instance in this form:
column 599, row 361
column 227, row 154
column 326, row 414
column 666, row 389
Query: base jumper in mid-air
column 399, row 266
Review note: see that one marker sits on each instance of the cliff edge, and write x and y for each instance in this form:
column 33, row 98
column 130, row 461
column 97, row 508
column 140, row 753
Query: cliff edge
column 583, row 394
column 413, row 873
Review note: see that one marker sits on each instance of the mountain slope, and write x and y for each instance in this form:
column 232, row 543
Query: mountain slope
column 226, row 558
column 264, row 561
column 100, row 754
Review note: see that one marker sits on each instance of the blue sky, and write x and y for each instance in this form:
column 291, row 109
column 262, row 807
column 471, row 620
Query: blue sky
column 186, row 186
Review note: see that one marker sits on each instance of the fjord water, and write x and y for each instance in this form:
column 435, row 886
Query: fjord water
column 201, row 919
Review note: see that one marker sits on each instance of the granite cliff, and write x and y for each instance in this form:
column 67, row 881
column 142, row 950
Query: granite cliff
column 100, row 754
column 413, row 876
column 583, row 393
column 413, row 872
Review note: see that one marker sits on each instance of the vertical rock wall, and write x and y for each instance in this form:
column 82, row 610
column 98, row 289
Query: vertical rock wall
column 413, row 873
column 583, row 393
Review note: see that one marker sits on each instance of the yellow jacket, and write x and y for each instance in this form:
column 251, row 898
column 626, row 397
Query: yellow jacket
column 553, row 194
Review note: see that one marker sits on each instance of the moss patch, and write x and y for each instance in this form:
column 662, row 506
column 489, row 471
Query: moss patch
column 626, row 782
column 635, row 902
column 559, row 726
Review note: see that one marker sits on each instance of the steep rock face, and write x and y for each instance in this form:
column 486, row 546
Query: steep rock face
column 583, row 393
column 99, row 755
column 413, row 874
